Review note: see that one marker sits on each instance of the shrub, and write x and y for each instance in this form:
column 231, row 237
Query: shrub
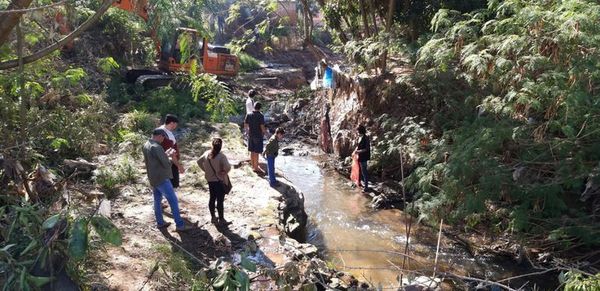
column 527, row 140
column 248, row 63
column 139, row 121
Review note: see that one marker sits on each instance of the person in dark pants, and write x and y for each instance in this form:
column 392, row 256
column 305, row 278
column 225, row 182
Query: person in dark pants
column 254, row 123
column 170, row 144
column 270, row 153
column 364, row 154
column 215, row 166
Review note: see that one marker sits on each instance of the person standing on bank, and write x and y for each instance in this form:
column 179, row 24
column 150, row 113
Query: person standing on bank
column 254, row 123
column 170, row 144
column 270, row 153
column 250, row 102
column 158, row 167
column 364, row 154
column 216, row 167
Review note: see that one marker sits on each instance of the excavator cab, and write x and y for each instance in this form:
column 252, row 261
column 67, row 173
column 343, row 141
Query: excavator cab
column 171, row 59
column 213, row 59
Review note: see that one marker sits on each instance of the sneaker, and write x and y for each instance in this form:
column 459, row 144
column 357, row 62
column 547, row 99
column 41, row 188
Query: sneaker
column 164, row 225
column 185, row 228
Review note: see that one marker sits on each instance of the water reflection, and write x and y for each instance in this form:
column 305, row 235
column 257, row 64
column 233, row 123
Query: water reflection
column 369, row 243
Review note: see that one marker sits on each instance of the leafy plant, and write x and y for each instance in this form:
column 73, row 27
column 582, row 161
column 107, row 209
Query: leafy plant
column 219, row 104
column 108, row 65
column 139, row 121
column 248, row 63
column 524, row 139
column 575, row 281
column 32, row 242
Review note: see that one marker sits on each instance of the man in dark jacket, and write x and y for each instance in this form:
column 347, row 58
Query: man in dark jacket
column 271, row 152
column 158, row 167
column 364, row 154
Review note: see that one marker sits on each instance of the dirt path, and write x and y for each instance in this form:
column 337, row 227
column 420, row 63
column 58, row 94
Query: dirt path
column 252, row 207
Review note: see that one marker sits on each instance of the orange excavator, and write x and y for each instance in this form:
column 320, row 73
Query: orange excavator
column 211, row 59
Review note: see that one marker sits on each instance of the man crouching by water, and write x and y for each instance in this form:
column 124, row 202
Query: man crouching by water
column 158, row 167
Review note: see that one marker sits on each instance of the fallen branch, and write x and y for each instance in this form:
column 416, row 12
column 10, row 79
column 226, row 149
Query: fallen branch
column 49, row 49
column 478, row 280
column 25, row 10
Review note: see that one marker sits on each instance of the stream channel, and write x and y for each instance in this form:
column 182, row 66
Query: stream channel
column 368, row 243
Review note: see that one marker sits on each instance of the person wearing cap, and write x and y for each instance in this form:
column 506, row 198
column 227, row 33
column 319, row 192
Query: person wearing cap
column 169, row 143
column 158, row 168
column 254, row 123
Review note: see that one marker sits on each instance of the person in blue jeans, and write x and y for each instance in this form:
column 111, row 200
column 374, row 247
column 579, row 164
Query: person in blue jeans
column 270, row 153
column 158, row 167
column 363, row 149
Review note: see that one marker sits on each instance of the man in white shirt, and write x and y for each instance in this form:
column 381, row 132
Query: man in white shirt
column 250, row 102
column 169, row 144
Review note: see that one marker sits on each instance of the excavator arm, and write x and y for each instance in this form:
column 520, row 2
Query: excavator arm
column 139, row 7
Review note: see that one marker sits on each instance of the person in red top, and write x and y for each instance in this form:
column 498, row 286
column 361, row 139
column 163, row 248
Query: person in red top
column 170, row 144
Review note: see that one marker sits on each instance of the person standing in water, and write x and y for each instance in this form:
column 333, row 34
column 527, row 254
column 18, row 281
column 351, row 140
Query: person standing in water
column 363, row 150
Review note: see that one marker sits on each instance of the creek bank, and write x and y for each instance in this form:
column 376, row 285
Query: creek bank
column 350, row 105
column 266, row 222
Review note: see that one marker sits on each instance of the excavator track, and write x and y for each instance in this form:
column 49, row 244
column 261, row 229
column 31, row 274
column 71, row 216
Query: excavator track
column 154, row 81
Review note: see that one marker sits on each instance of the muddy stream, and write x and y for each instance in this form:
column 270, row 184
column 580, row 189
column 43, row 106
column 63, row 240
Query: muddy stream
column 369, row 243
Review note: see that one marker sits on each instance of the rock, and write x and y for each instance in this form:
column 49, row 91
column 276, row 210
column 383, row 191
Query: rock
column 104, row 208
column 291, row 212
column 298, row 105
column 287, row 151
column 342, row 144
column 422, row 283
column 253, row 235
column 80, row 165
column 126, row 147
column 101, row 149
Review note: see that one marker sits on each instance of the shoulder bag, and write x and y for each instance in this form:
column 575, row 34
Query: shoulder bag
column 226, row 186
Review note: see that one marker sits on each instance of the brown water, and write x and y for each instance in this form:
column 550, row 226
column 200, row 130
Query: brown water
column 369, row 243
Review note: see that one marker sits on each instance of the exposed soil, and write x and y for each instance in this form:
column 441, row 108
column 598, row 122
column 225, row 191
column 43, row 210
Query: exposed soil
column 251, row 206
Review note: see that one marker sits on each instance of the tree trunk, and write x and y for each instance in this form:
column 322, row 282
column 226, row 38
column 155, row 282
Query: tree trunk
column 335, row 24
column 363, row 12
column 374, row 16
column 23, row 95
column 46, row 51
column 389, row 19
column 9, row 22
column 308, row 22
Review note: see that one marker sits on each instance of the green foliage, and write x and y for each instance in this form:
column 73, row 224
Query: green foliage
column 168, row 100
column 107, row 231
column 262, row 26
column 139, row 121
column 524, row 136
column 32, row 242
column 575, row 281
column 109, row 178
column 183, row 273
column 126, row 30
column 107, row 65
column 219, row 104
column 248, row 63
